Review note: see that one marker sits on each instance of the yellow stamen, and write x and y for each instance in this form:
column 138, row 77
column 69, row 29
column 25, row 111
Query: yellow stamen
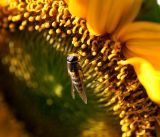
column 148, row 76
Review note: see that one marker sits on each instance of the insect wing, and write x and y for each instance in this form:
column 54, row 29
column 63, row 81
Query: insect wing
column 72, row 90
column 80, row 87
column 72, row 85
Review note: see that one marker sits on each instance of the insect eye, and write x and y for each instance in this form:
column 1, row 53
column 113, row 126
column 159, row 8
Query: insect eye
column 72, row 58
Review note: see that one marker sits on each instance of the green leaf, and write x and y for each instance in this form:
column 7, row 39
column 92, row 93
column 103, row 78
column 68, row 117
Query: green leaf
column 150, row 11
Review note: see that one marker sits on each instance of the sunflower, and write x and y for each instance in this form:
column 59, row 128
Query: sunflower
column 140, row 40
column 119, row 75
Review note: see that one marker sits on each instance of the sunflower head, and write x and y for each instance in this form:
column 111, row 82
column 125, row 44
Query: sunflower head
column 117, row 66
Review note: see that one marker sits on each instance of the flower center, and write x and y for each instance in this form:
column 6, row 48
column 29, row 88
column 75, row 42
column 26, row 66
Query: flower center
column 114, row 84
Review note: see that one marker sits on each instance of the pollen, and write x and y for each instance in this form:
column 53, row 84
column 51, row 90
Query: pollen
column 31, row 18
column 117, row 84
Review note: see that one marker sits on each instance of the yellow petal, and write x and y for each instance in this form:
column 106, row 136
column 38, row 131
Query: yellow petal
column 132, row 8
column 4, row 2
column 148, row 76
column 139, row 30
column 142, row 39
column 122, row 13
column 105, row 16
column 78, row 7
column 97, row 15
column 147, row 50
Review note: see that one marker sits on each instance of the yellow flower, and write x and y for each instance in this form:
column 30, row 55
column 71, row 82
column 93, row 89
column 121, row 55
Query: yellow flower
column 105, row 15
column 141, row 40
column 4, row 2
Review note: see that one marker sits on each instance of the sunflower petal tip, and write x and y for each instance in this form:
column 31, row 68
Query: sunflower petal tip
column 148, row 76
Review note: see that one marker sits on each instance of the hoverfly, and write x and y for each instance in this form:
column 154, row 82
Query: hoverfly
column 76, row 76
